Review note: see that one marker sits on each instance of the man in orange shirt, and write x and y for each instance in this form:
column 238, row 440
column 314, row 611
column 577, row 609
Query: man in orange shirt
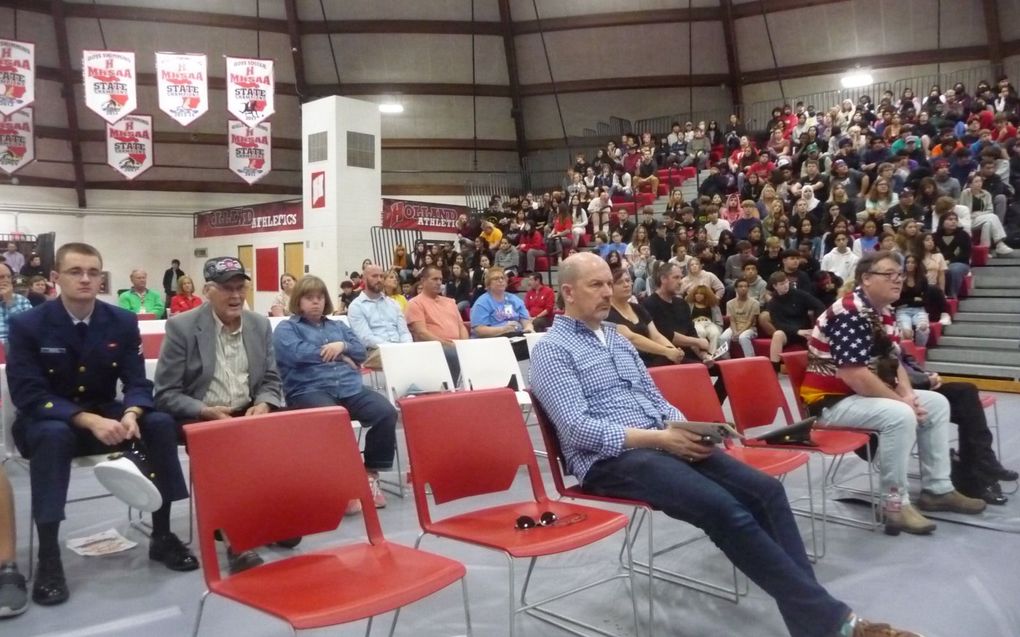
column 433, row 317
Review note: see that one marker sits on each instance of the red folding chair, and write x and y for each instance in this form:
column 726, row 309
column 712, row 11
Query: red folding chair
column 151, row 344
column 689, row 389
column 467, row 444
column 759, row 407
column 266, row 478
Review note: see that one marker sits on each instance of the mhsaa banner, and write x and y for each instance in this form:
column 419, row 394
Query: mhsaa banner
column 250, row 89
column 109, row 83
column 250, row 150
column 183, row 86
column 129, row 145
column 17, row 140
column 17, row 75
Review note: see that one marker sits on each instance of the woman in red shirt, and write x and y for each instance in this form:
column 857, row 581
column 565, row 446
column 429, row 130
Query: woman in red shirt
column 185, row 298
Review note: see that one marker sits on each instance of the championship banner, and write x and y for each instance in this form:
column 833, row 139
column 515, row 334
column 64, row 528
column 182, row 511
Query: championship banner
column 109, row 83
column 266, row 217
column 17, row 141
column 250, row 150
column 129, row 145
column 17, row 75
column 419, row 215
column 250, row 89
column 183, row 87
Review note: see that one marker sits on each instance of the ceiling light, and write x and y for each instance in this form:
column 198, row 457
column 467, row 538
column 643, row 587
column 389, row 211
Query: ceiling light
column 391, row 108
column 856, row 79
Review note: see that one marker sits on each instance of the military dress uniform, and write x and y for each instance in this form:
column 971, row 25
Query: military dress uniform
column 58, row 367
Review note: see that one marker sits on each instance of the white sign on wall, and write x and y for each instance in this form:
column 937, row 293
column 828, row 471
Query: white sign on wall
column 250, row 89
column 109, row 79
column 182, row 85
column 250, row 150
column 17, row 140
column 129, row 145
column 17, row 75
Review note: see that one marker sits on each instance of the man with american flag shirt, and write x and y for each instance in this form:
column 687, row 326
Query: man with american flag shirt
column 855, row 379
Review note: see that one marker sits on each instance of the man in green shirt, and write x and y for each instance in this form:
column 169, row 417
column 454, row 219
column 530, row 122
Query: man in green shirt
column 140, row 299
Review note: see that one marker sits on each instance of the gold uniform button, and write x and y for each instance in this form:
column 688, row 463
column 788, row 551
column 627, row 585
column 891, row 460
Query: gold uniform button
column 51, row 371
column 81, row 369
column 81, row 389
column 114, row 364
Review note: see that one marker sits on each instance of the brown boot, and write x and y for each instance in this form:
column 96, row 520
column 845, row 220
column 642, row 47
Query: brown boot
column 909, row 520
column 954, row 501
column 867, row 629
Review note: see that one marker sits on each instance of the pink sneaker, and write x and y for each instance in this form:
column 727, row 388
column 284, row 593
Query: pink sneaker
column 353, row 507
column 377, row 495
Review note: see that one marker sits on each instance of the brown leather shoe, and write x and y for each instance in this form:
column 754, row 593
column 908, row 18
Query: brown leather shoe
column 954, row 501
column 909, row 520
column 867, row 629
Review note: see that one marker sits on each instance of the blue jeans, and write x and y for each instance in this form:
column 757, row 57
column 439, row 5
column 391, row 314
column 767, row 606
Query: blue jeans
column 373, row 412
column 743, row 511
column 954, row 278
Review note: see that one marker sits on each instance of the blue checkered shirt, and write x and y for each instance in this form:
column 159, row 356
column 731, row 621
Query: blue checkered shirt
column 18, row 305
column 594, row 392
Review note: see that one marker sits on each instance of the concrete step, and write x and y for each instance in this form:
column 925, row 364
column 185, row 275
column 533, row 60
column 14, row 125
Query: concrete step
column 991, row 305
column 977, row 316
column 996, row 292
column 973, row 369
column 978, row 357
column 986, row 330
column 980, row 340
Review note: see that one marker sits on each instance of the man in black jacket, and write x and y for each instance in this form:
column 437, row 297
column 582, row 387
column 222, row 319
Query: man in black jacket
column 170, row 278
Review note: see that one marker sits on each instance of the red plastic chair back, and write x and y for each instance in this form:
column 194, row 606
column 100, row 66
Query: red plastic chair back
column 484, row 430
column 796, row 366
column 151, row 344
column 689, row 389
column 267, row 478
column 754, row 392
column 557, row 463
column 146, row 316
column 3, row 354
column 920, row 353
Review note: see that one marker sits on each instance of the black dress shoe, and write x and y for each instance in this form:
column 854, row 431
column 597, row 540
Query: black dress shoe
column 1006, row 475
column 171, row 551
column 50, row 587
column 288, row 543
column 242, row 561
column 990, row 493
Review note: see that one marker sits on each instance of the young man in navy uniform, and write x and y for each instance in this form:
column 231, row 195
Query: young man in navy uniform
column 63, row 364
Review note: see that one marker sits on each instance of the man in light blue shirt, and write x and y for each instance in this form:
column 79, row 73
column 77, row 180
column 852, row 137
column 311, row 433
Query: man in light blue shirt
column 376, row 318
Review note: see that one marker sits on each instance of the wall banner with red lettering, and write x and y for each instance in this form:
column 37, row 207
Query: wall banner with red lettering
column 109, row 78
column 17, row 75
column 129, row 145
column 266, row 217
column 251, row 156
column 419, row 215
column 17, row 140
column 250, row 89
column 182, row 84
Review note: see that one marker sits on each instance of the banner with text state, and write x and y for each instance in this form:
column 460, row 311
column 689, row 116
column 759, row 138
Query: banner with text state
column 109, row 83
column 17, row 75
column 183, row 86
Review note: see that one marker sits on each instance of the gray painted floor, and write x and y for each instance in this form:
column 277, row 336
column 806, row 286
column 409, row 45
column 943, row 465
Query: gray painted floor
column 960, row 582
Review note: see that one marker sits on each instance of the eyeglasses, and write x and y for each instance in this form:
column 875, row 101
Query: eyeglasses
column 548, row 518
column 892, row 276
column 78, row 273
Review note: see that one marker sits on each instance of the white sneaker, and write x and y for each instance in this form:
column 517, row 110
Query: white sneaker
column 1002, row 249
column 945, row 319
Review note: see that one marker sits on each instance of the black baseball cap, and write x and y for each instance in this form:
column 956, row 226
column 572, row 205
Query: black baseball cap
column 222, row 269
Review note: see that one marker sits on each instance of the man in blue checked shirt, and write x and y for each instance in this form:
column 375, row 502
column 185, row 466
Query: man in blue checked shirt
column 610, row 419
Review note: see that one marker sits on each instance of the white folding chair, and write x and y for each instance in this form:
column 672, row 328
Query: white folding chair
column 417, row 366
column 490, row 363
column 7, row 416
column 532, row 338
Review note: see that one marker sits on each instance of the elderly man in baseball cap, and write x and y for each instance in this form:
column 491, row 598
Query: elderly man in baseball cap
column 217, row 360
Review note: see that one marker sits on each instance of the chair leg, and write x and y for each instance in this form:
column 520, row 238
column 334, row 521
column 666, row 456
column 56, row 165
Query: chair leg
column 998, row 438
column 513, row 609
column 393, row 624
column 467, row 606
column 198, row 617
column 368, row 629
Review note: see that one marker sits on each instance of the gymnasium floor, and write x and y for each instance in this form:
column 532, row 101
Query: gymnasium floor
column 960, row 582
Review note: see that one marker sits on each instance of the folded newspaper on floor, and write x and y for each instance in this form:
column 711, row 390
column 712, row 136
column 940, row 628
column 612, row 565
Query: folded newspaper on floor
column 799, row 433
column 99, row 544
